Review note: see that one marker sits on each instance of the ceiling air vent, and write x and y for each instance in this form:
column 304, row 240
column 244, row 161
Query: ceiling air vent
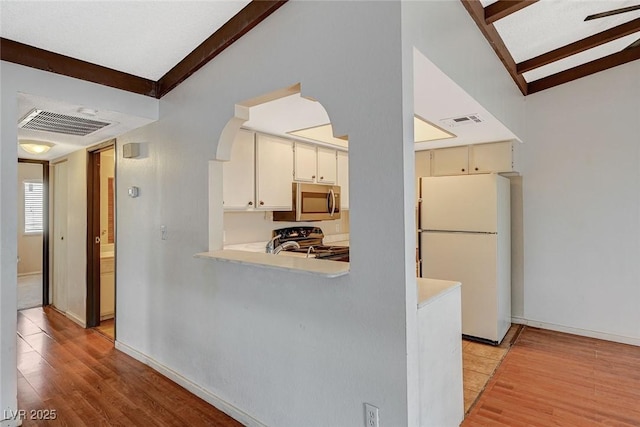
column 60, row 123
column 470, row 119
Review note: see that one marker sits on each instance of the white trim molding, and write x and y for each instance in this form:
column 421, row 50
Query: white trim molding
column 577, row 331
column 194, row 388
column 16, row 422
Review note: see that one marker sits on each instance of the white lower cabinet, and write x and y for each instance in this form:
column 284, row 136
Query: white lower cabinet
column 238, row 182
column 274, row 173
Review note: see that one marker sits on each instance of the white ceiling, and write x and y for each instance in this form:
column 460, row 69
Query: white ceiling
column 148, row 38
column 143, row 38
column 550, row 24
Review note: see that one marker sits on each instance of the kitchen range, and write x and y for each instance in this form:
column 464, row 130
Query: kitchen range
column 307, row 242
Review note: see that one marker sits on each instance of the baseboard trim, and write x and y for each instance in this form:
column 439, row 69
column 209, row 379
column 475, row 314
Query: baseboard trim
column 107, row 316
column 577, row 331
column 194, row 388
column 75, row 318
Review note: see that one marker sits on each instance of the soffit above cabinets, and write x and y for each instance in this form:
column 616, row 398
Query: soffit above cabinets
column 528, row 33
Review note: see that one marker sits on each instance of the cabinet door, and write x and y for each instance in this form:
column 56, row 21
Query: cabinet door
column 326, row 165
column 494, row 157
column 423, row 168
column 305, row 162
column 343, row 179
column 450, row 161
column 238, row 182
column 274, row 169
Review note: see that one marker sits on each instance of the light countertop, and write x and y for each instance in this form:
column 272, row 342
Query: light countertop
column 429, row 290
column 323, row 268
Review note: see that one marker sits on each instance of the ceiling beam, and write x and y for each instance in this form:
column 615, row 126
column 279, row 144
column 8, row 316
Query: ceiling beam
column 610, row 61
column 580, row 46
column 29, row 56
column 502, row 8
column 250, row 16
column 475, row 9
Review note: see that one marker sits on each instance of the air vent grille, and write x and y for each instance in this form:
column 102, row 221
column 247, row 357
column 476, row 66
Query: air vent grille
column 60, row 123
column 462, row 120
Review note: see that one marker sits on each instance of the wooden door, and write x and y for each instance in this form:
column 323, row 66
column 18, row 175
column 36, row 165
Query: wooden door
column 60, row 191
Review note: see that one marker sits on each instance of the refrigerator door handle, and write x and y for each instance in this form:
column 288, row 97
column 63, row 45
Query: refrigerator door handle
column 458, row 231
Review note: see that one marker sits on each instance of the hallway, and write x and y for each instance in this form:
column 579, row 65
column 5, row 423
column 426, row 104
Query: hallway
column 78, row 377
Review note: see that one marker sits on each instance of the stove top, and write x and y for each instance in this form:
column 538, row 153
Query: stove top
column 310, row 241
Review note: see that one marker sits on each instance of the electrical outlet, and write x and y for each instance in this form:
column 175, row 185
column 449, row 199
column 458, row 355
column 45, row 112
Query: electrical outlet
column 371, row 416
column 163, row 232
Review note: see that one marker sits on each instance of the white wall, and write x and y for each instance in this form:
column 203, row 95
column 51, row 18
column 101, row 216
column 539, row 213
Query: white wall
column 29, row 245
column 581, row 184
column 287, row 349
column 14, row 79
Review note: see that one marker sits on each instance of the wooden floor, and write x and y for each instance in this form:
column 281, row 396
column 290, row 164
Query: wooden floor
column 79, row 375
column 554, row 379
column 107, row 328
column 479, row 362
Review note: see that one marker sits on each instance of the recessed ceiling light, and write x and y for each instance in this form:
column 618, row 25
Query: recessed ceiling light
column 322, row 133
column 425, row 131
column 35, row 147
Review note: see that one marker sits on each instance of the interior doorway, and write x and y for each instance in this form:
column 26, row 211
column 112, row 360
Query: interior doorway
column 101, row 238
column 33, row 233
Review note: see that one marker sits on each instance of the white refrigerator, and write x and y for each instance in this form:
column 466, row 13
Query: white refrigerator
column 465, row 236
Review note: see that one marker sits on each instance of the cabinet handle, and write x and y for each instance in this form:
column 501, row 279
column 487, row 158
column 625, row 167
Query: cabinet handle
column 261, row 203
column 250, row 203
column 476, row 168
column 462, row 169
column 313, row 176
column 322, row 177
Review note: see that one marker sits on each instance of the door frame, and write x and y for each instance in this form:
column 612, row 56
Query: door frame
column 45, row 226
column 93, row 231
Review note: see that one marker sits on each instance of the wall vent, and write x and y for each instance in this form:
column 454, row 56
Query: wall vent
column 470, row 119
column 60, row 123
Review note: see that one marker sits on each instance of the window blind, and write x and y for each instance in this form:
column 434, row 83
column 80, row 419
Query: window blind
column 33, row 209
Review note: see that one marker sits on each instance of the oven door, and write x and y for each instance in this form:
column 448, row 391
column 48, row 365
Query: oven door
column 315, row 202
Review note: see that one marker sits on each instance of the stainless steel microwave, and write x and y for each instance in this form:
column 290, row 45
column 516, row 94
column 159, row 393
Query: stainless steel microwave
column 312, row 202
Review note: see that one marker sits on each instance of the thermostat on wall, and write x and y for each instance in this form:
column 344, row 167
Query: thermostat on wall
column 133, row 191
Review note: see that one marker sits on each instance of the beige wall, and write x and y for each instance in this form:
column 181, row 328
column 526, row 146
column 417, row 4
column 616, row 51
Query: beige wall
column 29, row 245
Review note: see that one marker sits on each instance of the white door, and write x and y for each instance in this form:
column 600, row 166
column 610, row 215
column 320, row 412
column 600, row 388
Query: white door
column 238, row 179
column 305, row 162
column 472, row 260
column 60, row 283
column 326, row 165
column 274, row 169
column 460, row 203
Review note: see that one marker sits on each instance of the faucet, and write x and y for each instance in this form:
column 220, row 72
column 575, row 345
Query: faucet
column 311, row 249
column 271, row 244
column 286, row 245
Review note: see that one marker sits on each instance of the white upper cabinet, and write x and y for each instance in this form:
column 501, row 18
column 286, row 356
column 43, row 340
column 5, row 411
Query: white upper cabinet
column 326, row 170
column 450, row 161
column 423, row 168
column 314, row 164
column 274, row 171
column 343, row 178
column 495, row 157
column 238, row 186
column 305, row 162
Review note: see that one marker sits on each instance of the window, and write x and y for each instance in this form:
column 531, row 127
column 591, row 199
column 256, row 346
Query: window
column 33, row 209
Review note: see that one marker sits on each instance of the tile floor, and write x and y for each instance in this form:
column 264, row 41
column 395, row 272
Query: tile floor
column 479, row 362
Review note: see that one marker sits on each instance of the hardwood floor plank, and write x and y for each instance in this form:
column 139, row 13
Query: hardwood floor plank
column 554, row 379
column 79, row 374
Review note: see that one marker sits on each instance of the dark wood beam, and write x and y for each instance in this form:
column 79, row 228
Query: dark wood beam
column 475, row 9
column 610, row 61
column 580, row 46
column 502, row 8
column 250, row 16
column 29, row 56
